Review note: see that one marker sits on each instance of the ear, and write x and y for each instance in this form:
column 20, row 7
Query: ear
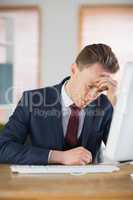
column 74, row 69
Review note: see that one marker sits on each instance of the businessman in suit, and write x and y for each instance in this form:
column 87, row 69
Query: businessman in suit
column 67, row 122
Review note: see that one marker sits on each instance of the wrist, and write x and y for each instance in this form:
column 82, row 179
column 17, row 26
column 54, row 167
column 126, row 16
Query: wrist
column 113, row 100
column 112, row 97
column 56, row 157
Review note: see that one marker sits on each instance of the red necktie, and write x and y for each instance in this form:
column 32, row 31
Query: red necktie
column 73, row 124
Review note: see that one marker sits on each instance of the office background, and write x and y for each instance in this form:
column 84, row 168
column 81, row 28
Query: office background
column 58, row 33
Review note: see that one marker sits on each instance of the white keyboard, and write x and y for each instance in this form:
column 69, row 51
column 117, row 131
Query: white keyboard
column 39, row 169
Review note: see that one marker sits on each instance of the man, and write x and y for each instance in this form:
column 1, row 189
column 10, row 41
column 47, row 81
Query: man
column 67, row 122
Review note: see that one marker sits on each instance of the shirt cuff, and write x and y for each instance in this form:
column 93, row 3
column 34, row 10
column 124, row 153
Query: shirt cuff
column 49, row 156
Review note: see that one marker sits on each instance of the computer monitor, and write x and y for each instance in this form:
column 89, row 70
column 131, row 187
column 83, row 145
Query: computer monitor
column 120, row 141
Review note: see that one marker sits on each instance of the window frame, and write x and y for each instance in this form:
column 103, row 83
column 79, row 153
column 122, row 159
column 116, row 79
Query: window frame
column 7, row 109
column 86, row 7
column 30, row 8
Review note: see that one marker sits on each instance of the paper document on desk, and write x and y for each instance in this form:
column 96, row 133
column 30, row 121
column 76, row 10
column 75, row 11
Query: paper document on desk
column 39, row 169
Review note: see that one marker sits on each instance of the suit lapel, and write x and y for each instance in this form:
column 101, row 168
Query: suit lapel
column 58, row 130
column 88, row 125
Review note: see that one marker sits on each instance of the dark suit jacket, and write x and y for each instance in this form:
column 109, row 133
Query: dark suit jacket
column 38, row 115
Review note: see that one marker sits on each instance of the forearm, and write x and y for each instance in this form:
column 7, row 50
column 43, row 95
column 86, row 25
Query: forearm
column 15, row 153
column 75, row 156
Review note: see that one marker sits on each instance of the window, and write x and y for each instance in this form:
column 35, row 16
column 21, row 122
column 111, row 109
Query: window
column 19, row 55
column 6, row 58
column 112, row 25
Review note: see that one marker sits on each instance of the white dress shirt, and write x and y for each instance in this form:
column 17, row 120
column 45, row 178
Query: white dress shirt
column 66, row 102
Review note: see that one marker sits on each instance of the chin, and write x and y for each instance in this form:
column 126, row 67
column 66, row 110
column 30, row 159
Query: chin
column 87, row 103
column 81, row 105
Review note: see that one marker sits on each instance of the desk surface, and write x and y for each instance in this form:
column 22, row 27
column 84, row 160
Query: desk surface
column 116, row 185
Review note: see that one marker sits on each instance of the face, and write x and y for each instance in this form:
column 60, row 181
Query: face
column 82, row 84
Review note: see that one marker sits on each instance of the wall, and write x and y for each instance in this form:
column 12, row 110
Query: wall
column 59, row 33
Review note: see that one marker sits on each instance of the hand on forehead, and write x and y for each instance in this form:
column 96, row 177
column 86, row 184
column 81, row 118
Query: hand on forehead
column 103, row 77
column 99, row 78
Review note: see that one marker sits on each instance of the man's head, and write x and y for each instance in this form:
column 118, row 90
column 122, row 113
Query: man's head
column 93, row 62
column 97, row 53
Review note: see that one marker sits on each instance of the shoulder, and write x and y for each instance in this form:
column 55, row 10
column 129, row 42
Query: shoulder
column 47, row 90
column 46, row 95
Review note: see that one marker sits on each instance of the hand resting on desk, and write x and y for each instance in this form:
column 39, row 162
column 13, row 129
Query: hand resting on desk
column 76, row 156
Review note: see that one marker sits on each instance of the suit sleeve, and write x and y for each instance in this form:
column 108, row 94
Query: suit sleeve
column 107, row 122
column 12, row 139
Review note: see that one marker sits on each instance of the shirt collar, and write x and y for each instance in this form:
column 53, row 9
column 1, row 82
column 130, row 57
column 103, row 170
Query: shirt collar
column 67, row 101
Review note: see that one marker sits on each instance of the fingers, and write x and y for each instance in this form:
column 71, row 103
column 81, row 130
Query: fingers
column 77, row 156
column 105, row 84
column 86, row 159
column 111, row 81
column 86, row 156
column 106, row 79
column 102, row 86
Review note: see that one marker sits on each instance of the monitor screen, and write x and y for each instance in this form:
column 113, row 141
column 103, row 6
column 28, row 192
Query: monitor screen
column 120, row 140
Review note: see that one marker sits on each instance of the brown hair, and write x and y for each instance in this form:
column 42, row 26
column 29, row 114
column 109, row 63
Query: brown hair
column 98, row 53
